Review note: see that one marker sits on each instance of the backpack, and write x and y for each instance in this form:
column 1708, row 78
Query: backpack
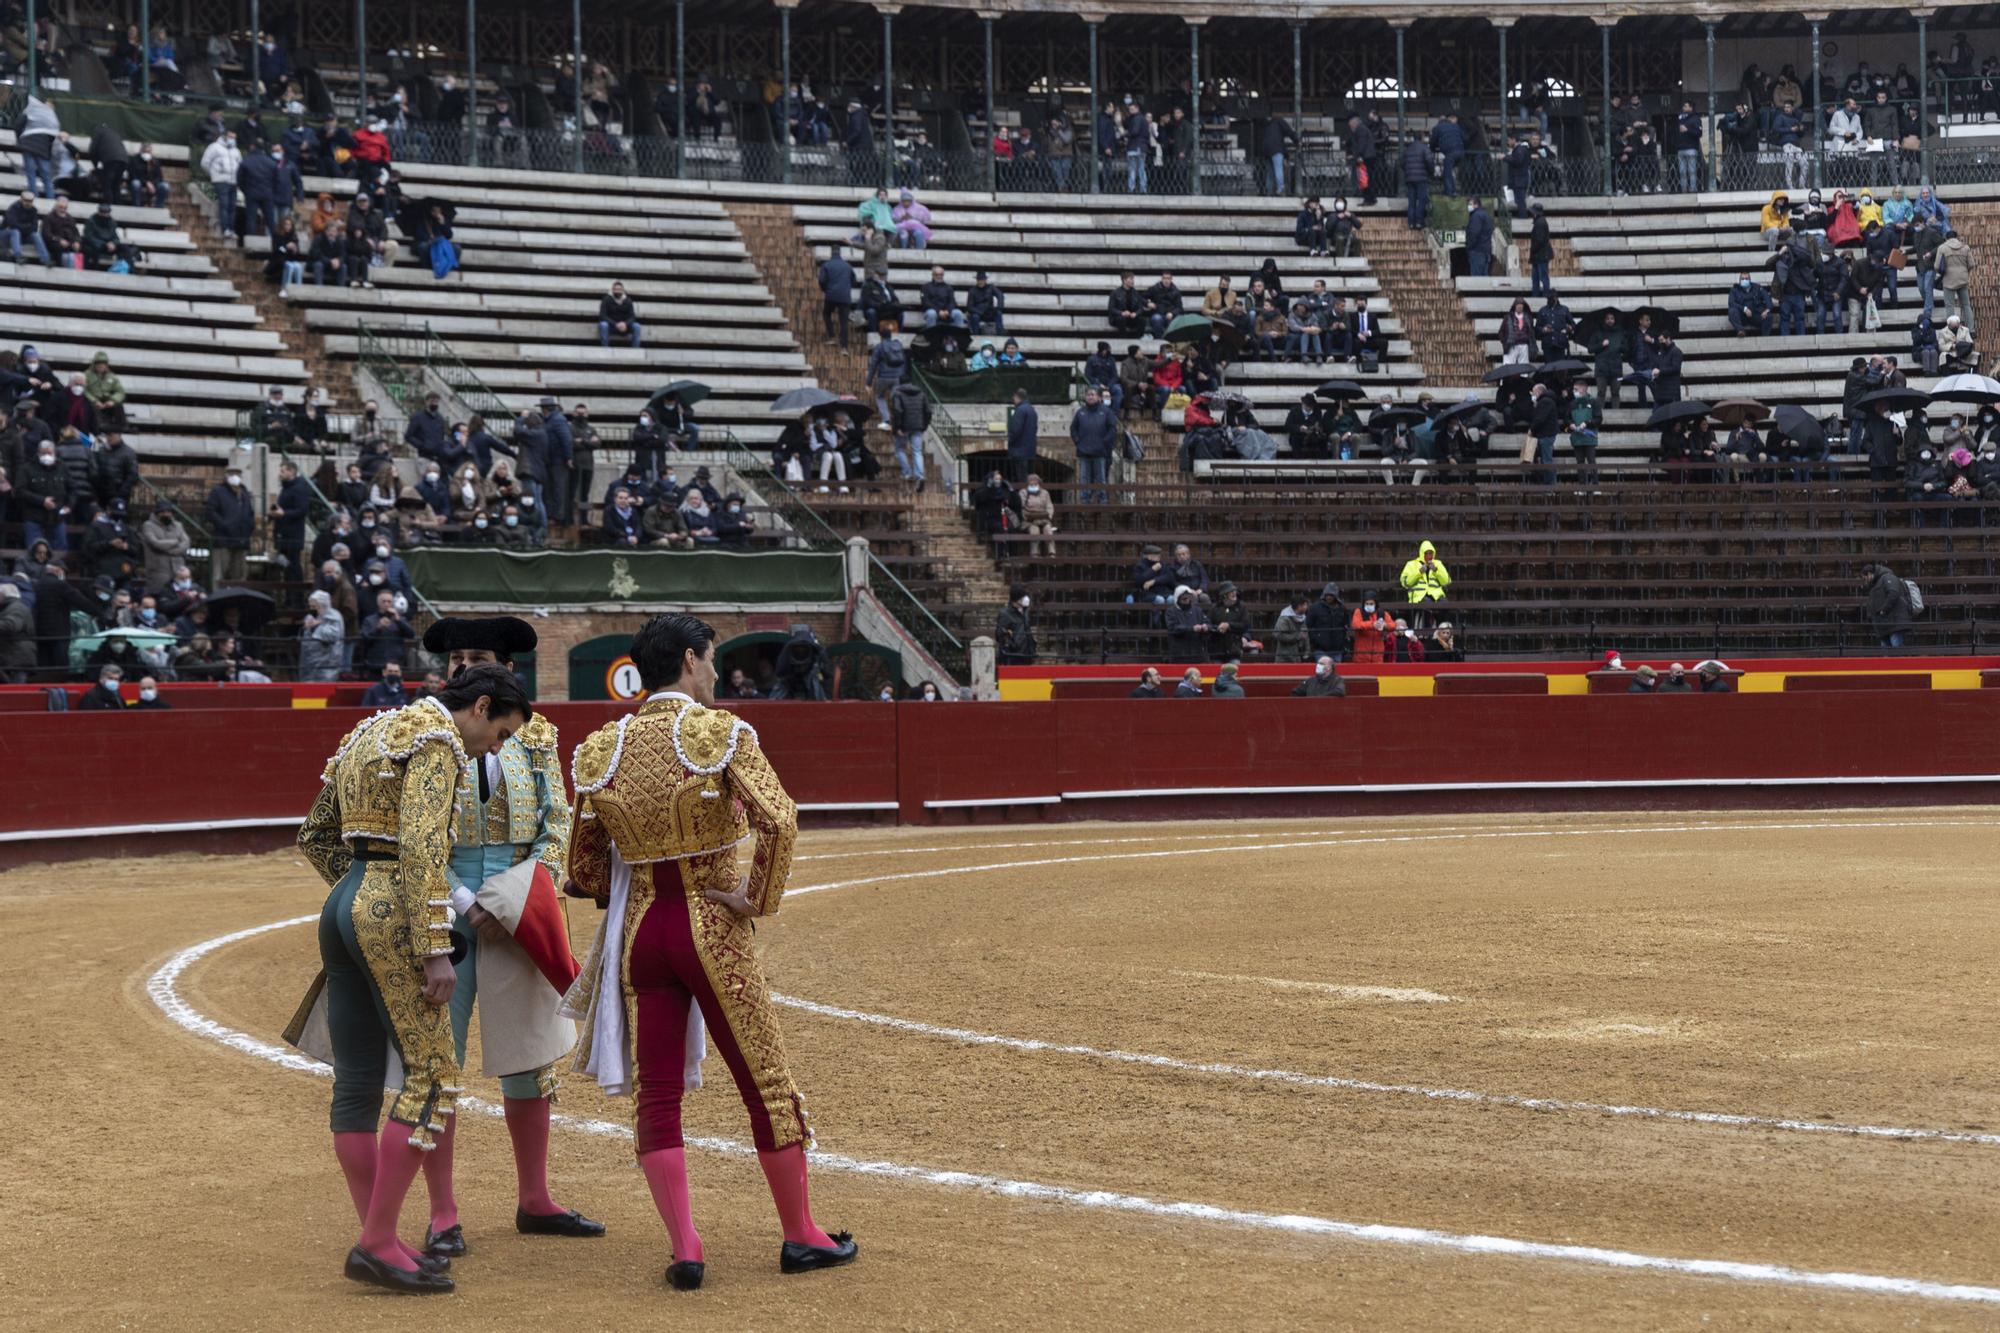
column 1916, row 597
column 894, row 357
column 1135, row 449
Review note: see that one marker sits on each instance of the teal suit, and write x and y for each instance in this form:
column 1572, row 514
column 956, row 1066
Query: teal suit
column 526, row 815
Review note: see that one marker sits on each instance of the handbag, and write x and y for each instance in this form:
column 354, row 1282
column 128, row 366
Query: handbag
column 1528, row 443
column 1177, row 401
column 1871, row 317
column 1897, row 259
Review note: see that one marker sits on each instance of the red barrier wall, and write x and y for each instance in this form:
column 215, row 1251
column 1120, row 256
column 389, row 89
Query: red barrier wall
column 1105, row 759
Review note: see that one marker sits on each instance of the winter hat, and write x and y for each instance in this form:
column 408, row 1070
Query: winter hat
column 1612, row 661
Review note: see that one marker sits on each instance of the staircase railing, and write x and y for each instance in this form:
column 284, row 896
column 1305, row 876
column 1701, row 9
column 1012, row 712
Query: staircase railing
column 900, row 602
column 781, row 499
column 195, row 528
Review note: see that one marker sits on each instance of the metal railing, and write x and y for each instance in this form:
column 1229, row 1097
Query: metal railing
column 943, row 646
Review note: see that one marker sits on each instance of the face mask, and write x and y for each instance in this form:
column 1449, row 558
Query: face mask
column 149, row 695
column 645, row 421
column 235, row 480
column 513, row 520
column 48, row 460
column 479, row 523
column 392, row 681
column 375, row 579
column 76, row 389
column 1024, row 603
column 148, row 614
column 431, row 477
column 1322, row 670
column 112, row 685
column 1369, row 608
column 528, row 502
column 1034, row 490
column 736, row 509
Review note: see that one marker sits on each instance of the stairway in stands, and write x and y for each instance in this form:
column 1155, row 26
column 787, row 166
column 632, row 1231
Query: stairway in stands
column 1440, row 333
column 778, row 248
column 246, row 271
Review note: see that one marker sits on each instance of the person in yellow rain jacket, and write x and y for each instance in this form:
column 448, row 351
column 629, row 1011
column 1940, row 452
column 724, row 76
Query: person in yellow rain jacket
column 1425, row 579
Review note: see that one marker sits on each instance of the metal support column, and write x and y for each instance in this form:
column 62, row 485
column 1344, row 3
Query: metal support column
column 1818, row 125
column 256, row 55
column 1505, row 119
column 680, row 82
column 889, row 98
column 1299, row 77
column 360, row 60
column 576, row 77
column 992, row 166
column 1194, row 100
column 472, row 81
column 1924, row 91
column 1402, row 123
column 146, row 49
column 29, row 33
column 784, row 126
column 1097, row 149
column 1708, row 141
column 1604, row 112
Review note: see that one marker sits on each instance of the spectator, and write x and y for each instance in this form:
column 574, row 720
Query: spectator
column 621, row 520
column 1425, row 579
column 1924, row 344
column 384, row 634
column 911, row 222
column 1676, row 681
column 23, row 222
column 874, row 211
column 1094, row 431
column 1162, row 306
column 939, row 302
column 1955, row 348
column 231, row 518
column 1712, row 678
column 1443, row 645
column 387, row 691
column 55, row 600
column 1417, row 184
column 1775, row 220
column 1787, row 130
column 1290, row 638
column 17, row 635
column 1478, row 239
column 698, row 518
column 107, row 695
column 164, row 543
column 1014, row 632
column 1954, row 263
column 1541, row 253
column 36, row 140
column 1125, row 309
column 1644, row 681
column 1327, row 624
column 1370, row 625
column 888, row 364
column 836, row 285
column 1023, row 436
column 1750, row 312
column 1365, row 335
column 909, row 418
column 1148, row 686
column 1010, row 353
column 288, row 518
column 321, row 637
column 61, row 237
column 1232, row 620
column 1186, row 624
column 1038, row 515
column 1665, row 372
column 1190, row 686
column 616, row 315
column 44, row 497
column 1517, row 333
column 1323, row 683
column 1402, row 645
column 1227, row 684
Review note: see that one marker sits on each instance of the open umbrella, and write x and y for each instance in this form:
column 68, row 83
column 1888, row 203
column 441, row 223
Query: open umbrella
column 1595, row 319
column 1464, row 409
column 804, row 400
column 1799, row 425
column 254, row 608
column 82, row 648
column 689, row 392
column 1966, row 389
column 1735, row 411
column 1664, row 320
column 1388, row 417
column 855, row 409
column 1565, row 366
column 1896, row 400
column 1340, row 389
column 1189, row 329
column 1680, row 411
column 1506, row 372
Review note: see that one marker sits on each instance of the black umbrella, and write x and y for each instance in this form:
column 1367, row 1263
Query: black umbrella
column 1680, row 411
column 1797, row 424
column 1506, row 372
column 1466, row 408
column 801, row 400
column 856, row 409
column 1664, row 320
column 255, row 608
column 1895, row 400
column 1595, row 319
column 1566, row 366
column 689, row 392
column 1339, row 389
column 1386, row 417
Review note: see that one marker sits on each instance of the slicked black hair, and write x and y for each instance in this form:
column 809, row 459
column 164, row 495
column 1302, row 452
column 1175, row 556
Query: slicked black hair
column 496, row 682
column 660, row 647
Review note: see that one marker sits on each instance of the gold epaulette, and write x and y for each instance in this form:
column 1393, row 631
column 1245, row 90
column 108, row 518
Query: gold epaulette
column 408, row 729
column 597, row 757
column 705, row 739
column 538, row 734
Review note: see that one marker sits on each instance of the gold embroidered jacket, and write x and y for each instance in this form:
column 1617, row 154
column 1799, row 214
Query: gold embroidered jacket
column 530, row 807
column 393, row 780
column 679, row 782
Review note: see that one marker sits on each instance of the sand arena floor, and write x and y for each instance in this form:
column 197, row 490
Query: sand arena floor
column 1270, row 1075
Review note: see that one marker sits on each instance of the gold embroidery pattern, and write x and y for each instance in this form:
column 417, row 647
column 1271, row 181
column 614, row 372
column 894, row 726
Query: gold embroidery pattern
column 320, row 841
column 423, row 1030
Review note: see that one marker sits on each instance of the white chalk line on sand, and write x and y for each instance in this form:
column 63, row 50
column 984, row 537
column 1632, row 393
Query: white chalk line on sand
column 163, row 989
column 1321, row 841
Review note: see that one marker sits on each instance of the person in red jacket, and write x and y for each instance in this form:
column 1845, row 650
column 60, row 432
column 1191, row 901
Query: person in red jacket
column 1371, row 626
column 371, row 152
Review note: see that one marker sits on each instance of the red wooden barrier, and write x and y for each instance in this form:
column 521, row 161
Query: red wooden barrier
column 1886, row 680
column 1490, row 682
column 1255, row 687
